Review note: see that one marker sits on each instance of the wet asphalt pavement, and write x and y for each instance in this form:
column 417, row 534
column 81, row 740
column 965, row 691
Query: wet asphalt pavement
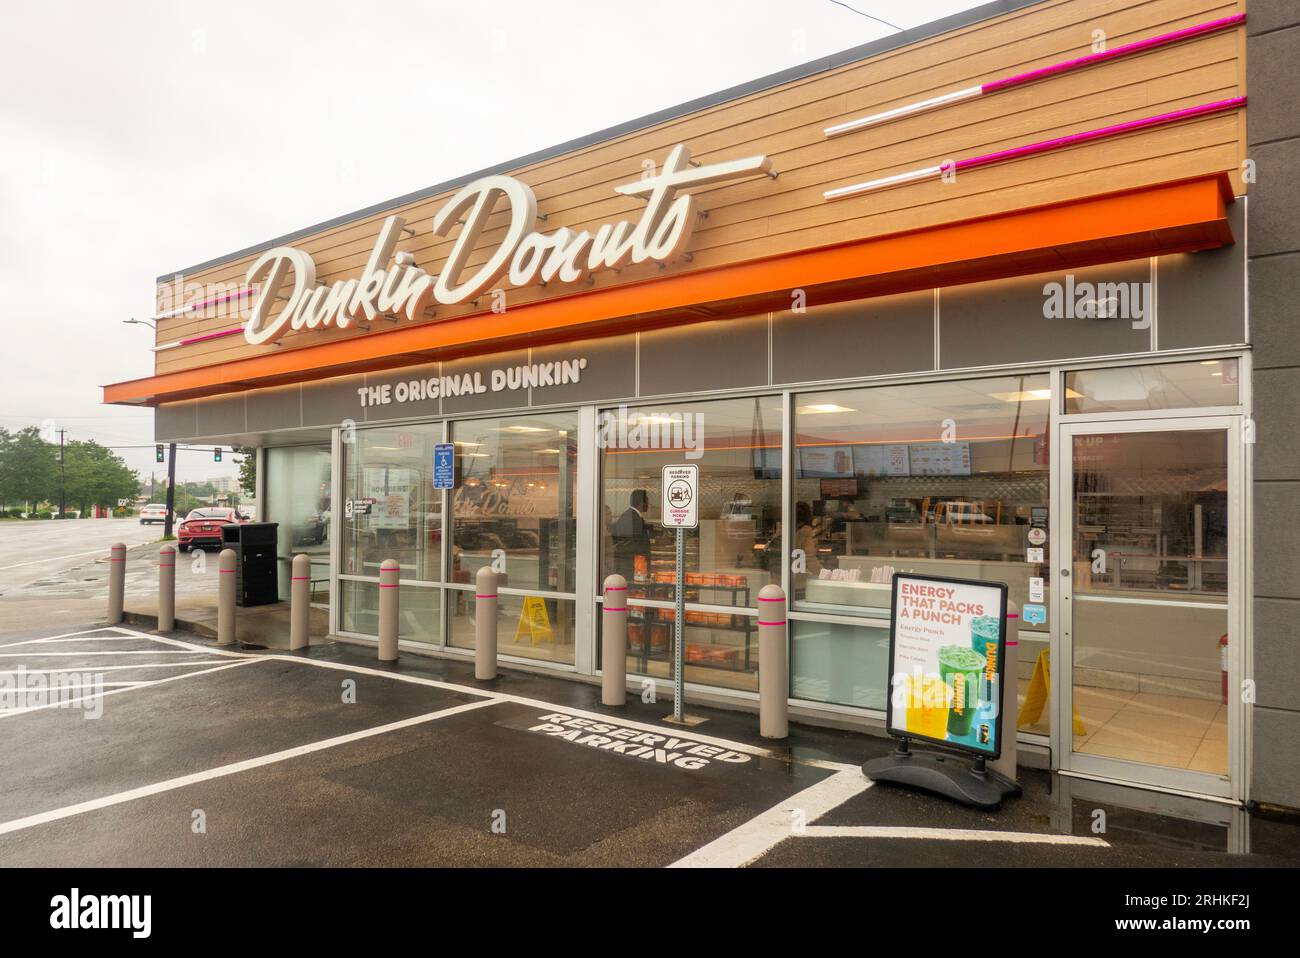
column 200, row 757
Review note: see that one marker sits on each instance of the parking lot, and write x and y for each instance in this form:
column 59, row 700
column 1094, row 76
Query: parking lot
column 163, row 750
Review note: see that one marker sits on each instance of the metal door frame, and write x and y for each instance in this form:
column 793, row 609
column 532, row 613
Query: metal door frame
column 1181, row 781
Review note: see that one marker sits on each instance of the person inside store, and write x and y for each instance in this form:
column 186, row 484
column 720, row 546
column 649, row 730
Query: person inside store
column 805, row 536
column 631, row 536
column 607, row 541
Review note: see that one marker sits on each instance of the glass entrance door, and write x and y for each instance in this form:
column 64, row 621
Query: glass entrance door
column 1148, row 602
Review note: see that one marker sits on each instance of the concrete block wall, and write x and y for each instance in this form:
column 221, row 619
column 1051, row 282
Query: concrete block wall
column 1273, row 267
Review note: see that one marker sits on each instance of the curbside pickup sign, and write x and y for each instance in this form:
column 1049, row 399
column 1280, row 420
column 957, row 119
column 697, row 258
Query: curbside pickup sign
column 681, row 497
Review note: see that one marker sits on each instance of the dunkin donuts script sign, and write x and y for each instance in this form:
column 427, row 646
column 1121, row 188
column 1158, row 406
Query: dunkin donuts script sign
column 393, row 285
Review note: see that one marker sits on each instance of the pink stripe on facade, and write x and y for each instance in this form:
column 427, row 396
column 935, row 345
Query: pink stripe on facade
column 206, row 336
column 1117, row 129
column 1211, row 26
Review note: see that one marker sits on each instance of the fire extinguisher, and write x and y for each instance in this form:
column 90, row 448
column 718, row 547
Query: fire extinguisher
column 1223, row 662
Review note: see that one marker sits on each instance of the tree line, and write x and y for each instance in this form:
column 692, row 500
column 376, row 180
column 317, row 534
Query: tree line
column 89, row 475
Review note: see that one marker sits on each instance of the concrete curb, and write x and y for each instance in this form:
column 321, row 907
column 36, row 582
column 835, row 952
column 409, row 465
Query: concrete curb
column 146, row 621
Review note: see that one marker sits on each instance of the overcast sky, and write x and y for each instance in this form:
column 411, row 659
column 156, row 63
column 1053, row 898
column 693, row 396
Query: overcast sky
column 139, row 138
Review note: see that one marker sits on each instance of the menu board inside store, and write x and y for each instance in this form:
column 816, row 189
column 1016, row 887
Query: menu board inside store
column 880, row 460
column 826, row 462
column 870, row 460
column 939, row 458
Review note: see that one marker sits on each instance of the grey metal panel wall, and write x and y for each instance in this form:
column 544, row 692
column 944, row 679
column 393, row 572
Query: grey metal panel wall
column 390, row 378
column 1273, row 136
column 609, row 373
column 276, row 408
column 482, row 366
column 874, row 337
column 1003, row 321
column 724, row 354
column 1202, row 295
column 221, row 415
column 329, row 402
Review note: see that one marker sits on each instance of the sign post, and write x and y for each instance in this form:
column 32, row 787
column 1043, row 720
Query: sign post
column 947, row 666
column 444, row 465
column 680, row 511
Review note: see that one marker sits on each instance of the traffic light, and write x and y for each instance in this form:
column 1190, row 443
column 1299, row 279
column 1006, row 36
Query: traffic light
column 158, row 455
column 216, row 454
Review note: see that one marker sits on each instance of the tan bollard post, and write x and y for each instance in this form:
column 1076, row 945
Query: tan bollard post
column 116, row 581
column 299, row 602
column 390, row 570
column 613, row 642
column 166, row 588
column 1006, row 762
column 773, row 667
column 485, row 624
column 226, row 575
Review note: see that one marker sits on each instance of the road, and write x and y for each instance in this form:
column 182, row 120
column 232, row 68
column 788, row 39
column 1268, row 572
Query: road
column 57, row 571
column 31, row 550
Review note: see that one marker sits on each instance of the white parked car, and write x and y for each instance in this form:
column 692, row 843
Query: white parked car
column 153, row 513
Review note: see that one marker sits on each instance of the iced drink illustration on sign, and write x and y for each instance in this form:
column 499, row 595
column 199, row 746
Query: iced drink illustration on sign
column 928, row 700
column 961, row 669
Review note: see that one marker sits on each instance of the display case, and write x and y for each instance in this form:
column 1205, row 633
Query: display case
column 650, row 629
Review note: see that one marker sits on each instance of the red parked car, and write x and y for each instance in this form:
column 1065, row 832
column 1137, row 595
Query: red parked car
column 202, row 528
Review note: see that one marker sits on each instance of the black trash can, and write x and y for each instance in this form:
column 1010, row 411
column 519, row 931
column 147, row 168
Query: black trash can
column 256, row 568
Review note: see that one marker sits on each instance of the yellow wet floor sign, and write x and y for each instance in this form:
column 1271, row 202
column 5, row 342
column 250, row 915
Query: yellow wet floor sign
column 1036, row 695
column 535, row 621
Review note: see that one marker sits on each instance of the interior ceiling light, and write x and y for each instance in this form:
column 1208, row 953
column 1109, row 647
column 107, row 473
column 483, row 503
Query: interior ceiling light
column 823, row 407
column 1032, row 395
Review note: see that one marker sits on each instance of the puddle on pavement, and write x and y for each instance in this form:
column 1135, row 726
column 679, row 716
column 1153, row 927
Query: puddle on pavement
column 1130, row 816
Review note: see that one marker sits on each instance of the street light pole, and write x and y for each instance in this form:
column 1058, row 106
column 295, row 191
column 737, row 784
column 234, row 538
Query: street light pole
column 63, row 507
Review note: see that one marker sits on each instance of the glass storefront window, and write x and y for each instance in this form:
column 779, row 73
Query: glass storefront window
column 721, row 647
column 391, row 510
column 938, row 478
column 514, row 498
column 528, row 626
column 838, row 662
column 298, row 487
column 418, row 616
column 1209, row 382
column 736, row 549
column 733, row 553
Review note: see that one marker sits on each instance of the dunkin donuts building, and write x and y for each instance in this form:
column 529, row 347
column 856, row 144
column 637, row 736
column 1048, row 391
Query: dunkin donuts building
column 1007, row 297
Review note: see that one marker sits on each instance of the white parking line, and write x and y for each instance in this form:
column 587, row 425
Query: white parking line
column 89, row 632
column 187, row 664
column 74, row 555
column 10, row 713
column 83, row 638
column 760, row 834
column 948, row 835
column 45, row 655
column 221, row 771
